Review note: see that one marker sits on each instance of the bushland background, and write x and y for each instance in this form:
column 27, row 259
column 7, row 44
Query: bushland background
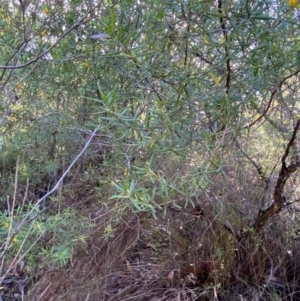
column 149, row 150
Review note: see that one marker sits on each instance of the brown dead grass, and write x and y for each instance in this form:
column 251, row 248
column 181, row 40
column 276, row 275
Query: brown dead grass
column 170, row 259
column 87, row 272
column 177, row 257
column 188, row 254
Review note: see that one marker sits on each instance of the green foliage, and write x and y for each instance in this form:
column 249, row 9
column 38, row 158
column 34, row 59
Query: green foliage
column 58, row 231
column 183, row 91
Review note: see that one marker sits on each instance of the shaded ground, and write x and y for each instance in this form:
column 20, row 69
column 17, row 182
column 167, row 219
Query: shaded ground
column 188, row 255
column 198, row 251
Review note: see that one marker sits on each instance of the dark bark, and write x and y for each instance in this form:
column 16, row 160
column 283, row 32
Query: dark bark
column 278, row 196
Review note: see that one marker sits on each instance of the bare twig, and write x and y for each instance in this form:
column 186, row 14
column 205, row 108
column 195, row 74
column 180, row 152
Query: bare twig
column 42, row 54
column 44, row 292
column 31, row 213
column 225, row 34
column 271, row 99
column 256, row 165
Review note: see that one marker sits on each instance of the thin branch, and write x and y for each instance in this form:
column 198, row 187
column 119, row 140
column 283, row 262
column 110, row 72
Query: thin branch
column 290, row 144
column 257, row 166
column 278, row 195
column 228, row 63
column 31, row 213
column 40, row 56
column 292, row 202
column 20, row 47
column 271, row 99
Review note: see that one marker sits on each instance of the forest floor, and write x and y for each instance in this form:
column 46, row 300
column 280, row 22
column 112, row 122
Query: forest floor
column 186, row 253
column 177, row 256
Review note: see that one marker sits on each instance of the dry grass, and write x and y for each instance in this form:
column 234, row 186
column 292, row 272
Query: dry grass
column 185, row 255
column 202, row 253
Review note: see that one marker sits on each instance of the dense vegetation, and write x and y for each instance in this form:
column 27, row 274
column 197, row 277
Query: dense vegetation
column 149, row 150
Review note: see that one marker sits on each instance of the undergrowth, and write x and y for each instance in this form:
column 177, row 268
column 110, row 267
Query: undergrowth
column 149, row 231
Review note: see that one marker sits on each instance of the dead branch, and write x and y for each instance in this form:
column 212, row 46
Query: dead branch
column 32, row 213
column 278, row 195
